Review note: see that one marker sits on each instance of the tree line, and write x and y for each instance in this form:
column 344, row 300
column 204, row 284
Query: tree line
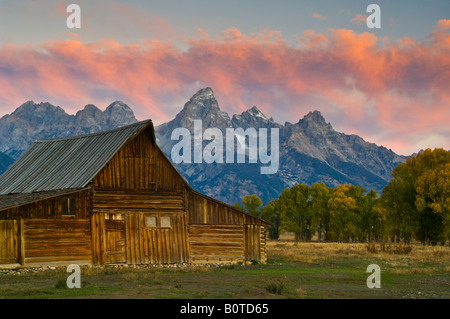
column 415, row 205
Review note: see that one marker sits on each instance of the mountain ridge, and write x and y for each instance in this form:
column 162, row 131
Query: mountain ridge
column 33, row 121
column 310, row 150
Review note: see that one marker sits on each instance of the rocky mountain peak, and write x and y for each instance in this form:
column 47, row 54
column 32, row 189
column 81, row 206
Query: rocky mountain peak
column 314, row 120
column 256, row 112
column 37, row 115
column 30, row 108
column 201, row 102
column 314, row 116
column 91, row 108
column 27, row 106
column 118, row 114
column 116, row 106
column 253, row 117
column 89, row 120
column 203, row 106
column 203, row 93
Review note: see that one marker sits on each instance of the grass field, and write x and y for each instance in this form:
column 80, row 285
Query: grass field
column 293, row 270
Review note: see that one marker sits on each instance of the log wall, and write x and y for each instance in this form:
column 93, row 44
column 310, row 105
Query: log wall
column 50, row 208
column 216, row 243
column 210, row 224
column 57, row 240
column 111, row 201
column 204, row 211
column 39, row 241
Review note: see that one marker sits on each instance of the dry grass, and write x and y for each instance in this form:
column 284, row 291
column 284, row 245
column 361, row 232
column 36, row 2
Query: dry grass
column 391, row 254
column 313, row 252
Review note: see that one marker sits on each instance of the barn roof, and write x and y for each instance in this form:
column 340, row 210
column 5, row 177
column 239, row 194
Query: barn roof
column 66, row 163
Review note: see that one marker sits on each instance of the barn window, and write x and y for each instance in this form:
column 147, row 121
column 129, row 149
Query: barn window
column 68, row 206
column 156, row 221
column 165, row 222
column 151, row 221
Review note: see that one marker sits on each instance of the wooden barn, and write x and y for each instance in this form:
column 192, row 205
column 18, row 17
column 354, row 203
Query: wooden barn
column 114, row 197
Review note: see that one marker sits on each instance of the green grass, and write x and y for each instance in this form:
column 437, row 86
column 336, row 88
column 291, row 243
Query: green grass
column 292, row 271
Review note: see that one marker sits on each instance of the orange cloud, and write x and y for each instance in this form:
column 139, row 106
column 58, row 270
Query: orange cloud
column 397, row 92
column 359, row 19
column 312, row 40
column 319, row 16
column 444, row 24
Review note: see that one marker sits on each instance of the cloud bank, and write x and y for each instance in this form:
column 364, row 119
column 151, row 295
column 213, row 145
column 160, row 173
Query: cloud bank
column 396, row 94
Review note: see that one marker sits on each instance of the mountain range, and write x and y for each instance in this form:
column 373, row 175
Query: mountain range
column 310, row 150
column 34, row 121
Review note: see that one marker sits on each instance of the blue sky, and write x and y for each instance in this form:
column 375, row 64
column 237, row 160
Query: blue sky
column 39, row 20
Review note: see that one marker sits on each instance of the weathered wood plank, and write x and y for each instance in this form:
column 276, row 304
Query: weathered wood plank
column 48, row 208
column 217, row 243
column 57, row 239
column 9, row 241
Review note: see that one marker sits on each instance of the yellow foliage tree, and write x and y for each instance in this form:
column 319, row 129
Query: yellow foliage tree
column 433, row 192
column 343, row 220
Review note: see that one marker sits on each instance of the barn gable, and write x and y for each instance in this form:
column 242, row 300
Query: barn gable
column 114, row 197
column 140, row 165
column 66, row 163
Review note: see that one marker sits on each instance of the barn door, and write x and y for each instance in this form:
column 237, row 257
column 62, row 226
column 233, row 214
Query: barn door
column 115, row 238
column 9, row 241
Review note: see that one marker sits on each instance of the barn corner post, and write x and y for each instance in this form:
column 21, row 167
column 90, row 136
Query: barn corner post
column 21, row 237
column 255, row 239
column 262, row 235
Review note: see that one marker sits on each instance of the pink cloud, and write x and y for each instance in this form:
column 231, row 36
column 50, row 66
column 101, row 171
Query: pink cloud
column 359, row 19
column 319, row 16
column 444, row 24
column 395, row 95
column 312, row 40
